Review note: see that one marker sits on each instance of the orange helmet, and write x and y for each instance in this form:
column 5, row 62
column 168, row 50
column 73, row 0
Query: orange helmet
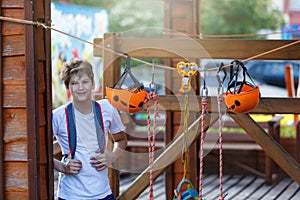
column 243, row 99
column 127, row 100
column 241, row 96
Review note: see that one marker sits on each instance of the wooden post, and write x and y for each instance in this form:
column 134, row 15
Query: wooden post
column 111, row 73
column 1, row 123
column 290, row 85
column 298, row 141
column 274, row 132
column 111, row 62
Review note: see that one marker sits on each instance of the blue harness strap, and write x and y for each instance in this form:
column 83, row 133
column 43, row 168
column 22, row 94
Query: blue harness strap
column 71, row 127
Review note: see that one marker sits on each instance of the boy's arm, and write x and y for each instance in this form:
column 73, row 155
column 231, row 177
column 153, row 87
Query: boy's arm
column 120, row 144
column 71, row 167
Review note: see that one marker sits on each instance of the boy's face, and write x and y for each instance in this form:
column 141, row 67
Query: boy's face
column 81, row 87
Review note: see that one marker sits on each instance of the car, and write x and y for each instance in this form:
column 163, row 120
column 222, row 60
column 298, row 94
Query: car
column 272, row 72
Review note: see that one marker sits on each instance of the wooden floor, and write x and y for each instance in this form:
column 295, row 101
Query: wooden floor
column 237, row 187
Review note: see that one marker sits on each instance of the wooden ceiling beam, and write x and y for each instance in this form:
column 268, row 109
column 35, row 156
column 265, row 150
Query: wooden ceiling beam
column 190, row 48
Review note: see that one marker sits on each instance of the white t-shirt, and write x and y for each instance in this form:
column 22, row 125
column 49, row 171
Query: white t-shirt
column 89, row 183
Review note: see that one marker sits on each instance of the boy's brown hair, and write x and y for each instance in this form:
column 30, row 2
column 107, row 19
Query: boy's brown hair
column 77, row 67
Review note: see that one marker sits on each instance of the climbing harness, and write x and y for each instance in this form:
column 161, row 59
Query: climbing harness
column 241, row 96
column 130, row 99
column 220, row 100
column 151, row 138
column 204, row 98
column 186, row 70
column 71, row 127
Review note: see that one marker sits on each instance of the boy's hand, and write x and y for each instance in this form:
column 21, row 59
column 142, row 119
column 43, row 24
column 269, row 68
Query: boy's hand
column 99, row 161
column 72, row 166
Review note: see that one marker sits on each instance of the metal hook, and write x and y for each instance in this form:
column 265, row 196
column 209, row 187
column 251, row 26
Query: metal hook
column 221, row 68
column 127, row 67
column 204, row 90
column 152, row 85
column 221, row 81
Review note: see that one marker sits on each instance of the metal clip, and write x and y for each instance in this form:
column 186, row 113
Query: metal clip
column 221, row 81
column 152, row 85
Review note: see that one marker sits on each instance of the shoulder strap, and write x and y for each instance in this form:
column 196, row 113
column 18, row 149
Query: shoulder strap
column 71, row 127
column 99, row 126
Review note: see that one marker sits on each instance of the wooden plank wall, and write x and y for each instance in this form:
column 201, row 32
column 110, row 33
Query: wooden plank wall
column 26, row 103
column 14, row 104
column 1, row 126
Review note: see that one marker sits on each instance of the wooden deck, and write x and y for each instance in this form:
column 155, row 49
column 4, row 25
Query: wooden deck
column 237, row 187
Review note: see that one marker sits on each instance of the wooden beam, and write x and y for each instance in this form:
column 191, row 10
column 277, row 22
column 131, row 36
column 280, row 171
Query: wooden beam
column 168, row 156
column 111, row 63
column 269, row 145
column 186, row 47
column 2, row 172
column 267, row 105
column 31, row 63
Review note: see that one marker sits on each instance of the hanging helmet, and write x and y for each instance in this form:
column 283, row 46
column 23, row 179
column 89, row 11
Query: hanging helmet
column 130, row 99
column 126, row 100
column 242, row 99
column 241, row 96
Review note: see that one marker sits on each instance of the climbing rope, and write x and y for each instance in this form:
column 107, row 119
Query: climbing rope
column 151, row 137
column 220, row 100
column 204, row 95
column 220, row 91
column 185, row 135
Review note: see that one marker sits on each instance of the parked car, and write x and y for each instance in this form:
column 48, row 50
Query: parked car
column 272, row 72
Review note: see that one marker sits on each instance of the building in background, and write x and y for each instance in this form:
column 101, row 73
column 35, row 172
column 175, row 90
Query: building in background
column 291, row 9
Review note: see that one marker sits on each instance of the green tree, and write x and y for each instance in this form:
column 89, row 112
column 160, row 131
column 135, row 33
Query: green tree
column 217, row 16
column 239, row 16
column 125, row 15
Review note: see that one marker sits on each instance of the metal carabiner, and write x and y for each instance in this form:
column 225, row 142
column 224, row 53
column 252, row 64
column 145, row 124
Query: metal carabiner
column 204, row 90
column 221, row 81
column 152, row 85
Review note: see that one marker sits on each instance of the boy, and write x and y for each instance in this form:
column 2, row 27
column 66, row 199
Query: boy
column 84, row 172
